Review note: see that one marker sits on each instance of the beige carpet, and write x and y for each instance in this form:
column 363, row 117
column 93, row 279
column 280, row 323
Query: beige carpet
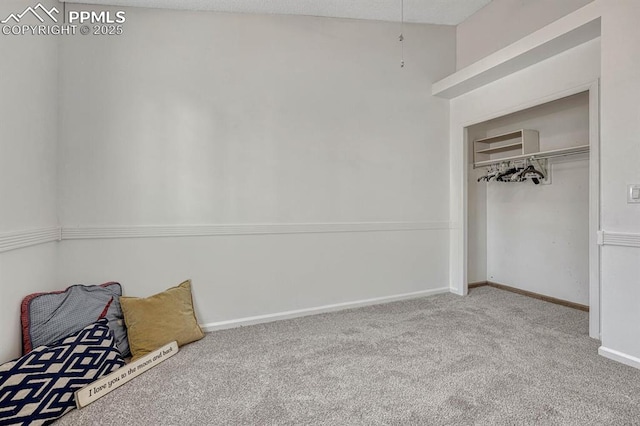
column 492, row 358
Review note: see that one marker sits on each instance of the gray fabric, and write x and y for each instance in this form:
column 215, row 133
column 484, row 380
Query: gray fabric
column 54, row 316
column 492, row 358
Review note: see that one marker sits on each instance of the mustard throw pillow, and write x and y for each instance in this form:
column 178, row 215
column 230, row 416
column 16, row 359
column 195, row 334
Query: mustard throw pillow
column 160, row 319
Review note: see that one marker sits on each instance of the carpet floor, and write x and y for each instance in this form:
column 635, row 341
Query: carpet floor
column 492, row 358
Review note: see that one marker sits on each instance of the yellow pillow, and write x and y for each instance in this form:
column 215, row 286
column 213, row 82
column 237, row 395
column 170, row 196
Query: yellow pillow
column 159, row 319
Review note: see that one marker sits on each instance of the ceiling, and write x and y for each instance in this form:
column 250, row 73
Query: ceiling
column 447, row 12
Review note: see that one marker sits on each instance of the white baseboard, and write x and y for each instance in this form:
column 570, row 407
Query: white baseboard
column 456, row 291
column 259, row 319
column 614, row 355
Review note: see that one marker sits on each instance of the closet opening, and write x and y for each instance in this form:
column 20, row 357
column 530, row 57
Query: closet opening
column 532, row 202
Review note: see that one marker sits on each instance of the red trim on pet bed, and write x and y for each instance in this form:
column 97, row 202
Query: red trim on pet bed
column 105, row 310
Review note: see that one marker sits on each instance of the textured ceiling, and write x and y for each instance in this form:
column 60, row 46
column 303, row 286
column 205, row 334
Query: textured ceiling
column 448, row 12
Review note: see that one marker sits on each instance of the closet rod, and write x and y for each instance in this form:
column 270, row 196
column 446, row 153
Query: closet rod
column 558, row 154
column 562, row 152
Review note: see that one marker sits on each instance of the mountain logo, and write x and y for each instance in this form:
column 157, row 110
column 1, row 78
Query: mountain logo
column 34, row 11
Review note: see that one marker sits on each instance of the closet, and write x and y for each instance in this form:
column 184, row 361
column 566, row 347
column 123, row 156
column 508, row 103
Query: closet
column 528, row 200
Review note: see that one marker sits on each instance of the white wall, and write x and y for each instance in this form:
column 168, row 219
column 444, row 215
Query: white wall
column 28, row 124
column 236, row 277
column 476, row 221
column 620, row 127
column 29, row 127
column 503, row 22
column 203, row 118
column 218, row 118
column 22, row 272
column 538, row 235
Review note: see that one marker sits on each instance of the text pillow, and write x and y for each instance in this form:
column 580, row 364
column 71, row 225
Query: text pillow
column 39, row 387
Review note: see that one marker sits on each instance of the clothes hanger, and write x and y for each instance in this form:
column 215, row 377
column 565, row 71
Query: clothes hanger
column 492, row 171
column 530, row 172
column 506, row 175
column 513, row 171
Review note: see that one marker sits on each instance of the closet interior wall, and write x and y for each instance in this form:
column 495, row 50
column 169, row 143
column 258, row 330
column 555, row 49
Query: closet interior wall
column 535, row 237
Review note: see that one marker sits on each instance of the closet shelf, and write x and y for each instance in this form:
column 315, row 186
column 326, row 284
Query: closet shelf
column 502, row 148
column 501, row 137
column 574, row 150
column 518, row 142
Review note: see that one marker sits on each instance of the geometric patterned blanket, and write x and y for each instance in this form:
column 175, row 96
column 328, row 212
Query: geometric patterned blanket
column 38, row 387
